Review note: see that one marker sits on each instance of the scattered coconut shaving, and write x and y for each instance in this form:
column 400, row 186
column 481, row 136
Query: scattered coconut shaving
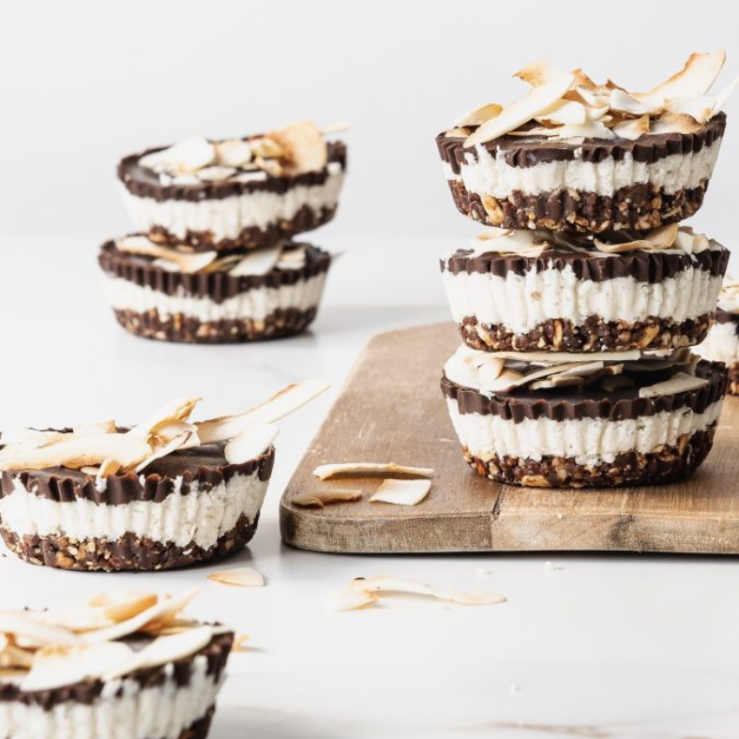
column 240, row 577
column 322, row 498
column 368, row 591
column 402, row 492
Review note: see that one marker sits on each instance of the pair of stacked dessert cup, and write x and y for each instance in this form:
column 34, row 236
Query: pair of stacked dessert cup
column 214, row 258
column 579, row 305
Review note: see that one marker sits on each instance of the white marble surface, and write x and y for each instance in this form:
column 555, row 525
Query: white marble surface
column 606, row 646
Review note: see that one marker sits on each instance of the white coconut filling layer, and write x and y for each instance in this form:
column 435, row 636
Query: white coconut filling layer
column 522, row 302
column 226, row 218
column 124, row 710
column 489, row 174
column 256, row 303
column 199, row 517
column 721, row 344
column 589, row 441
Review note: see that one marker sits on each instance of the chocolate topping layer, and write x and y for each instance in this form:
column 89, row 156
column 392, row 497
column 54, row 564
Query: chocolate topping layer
column 723, row 316
column 144, row 182
column 595, row 266
column 528, row 151
column 86, row 691
column 216, row 286
column 570, row 403
column 205, row 465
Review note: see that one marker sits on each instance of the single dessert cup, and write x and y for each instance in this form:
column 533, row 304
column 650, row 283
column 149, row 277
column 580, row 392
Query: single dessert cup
column 545, row 420
column 175, row 294
column 575, row 155
column 166, row 493
column 125, row 665
column 236, row 193
column 722, row 342
column 545, row 291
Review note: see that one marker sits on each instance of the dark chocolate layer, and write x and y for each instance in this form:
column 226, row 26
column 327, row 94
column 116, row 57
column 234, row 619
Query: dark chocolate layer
column 187, row 329
column 631, row 468
column 216, row 286
column 644, row 266
column 205, row 465
column 724, row 316
column 639, row 207
column 144, row 182
column 528, row 151
column 592, row 335
column 129, row 553
column 86, row 691
column 569, row 403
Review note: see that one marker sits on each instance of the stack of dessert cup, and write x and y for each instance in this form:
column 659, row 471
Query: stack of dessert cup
column 579, row 304
column 213, row 258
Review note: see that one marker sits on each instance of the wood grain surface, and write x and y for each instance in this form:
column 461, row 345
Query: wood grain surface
column 391, row 409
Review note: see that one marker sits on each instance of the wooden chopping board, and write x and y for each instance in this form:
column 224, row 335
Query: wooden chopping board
column 392, row 410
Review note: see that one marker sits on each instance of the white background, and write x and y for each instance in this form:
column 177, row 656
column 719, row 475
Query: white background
column 607, row 647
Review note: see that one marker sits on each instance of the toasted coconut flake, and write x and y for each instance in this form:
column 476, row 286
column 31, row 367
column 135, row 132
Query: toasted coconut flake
column 216, row 173
column 162, row 611
column 281, row 404
column 385, row 584
column 240, row 577
column 173, row 445
column 680, row 382
column 675, row 123
column 322, row 498
column 722, row 97
column 292, row 259
column 266, row 147
column 694, row 79
column 185, row 263
column 178, row 409
column 79, row 452
column 632, row 128
column 304, row 148
column 163, row 650
column 120, row 605
column 478, row 116
column 351, row 600
column 251, row 443
column 664, row 236
column 257, row 262
column 402, row 492
column 588, row 130
column 540, row 73
column 566, row 357
column 102, row 427
column 699, row 108
column 233, row 153
column 56, row 666
column 367, row 469
column 14, row 657
column 457, row 133
column 23, row 624
column 566, row 112
column 241, row 643
column 624, row 103
column 538, row 101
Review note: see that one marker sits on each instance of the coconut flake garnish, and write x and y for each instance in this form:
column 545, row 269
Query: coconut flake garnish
column 575, row 108
column 402, row 492
column 368, row 469
column 241, row 577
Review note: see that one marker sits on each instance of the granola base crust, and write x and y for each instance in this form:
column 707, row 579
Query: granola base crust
column 252, row 237
column 129, row 553
column 594, row 335
column 733, row 387
column 186, row 329
column 640, row 206
column 631, row 468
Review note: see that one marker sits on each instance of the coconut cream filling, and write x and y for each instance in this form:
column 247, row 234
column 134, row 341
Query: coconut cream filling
column 522, row 302
column 721, row 344
column 226, row 218
column 489, row 174
column 588, row 441
column 256, row 303
column 123, row 710
column 199, row 517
